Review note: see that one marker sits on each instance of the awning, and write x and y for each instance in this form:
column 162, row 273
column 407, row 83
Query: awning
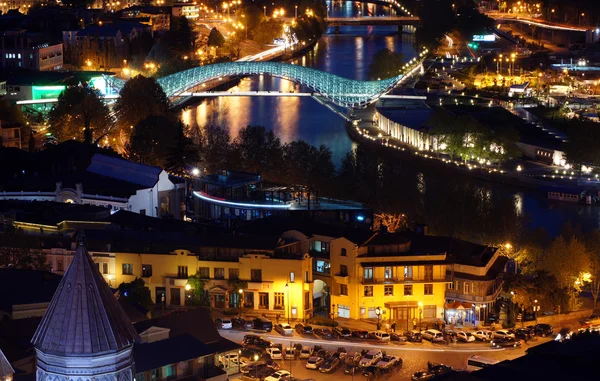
column 217, row 290
column 458, row 306
column 408, row 304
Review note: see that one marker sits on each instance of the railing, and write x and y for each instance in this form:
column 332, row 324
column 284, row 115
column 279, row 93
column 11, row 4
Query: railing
column 474, row 298
column 392, row 280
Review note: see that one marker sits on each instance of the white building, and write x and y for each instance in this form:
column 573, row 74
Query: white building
column 19, row 51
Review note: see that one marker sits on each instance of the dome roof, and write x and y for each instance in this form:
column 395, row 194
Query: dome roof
column 84, row 317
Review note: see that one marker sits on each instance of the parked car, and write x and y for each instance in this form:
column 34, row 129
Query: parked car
column 465, row 337
column 342, row 332
column 342, row 353
column 284, row 329
column 352, row 369
column 483, row 335
column 324, row 333
column 360, row 334
column 303, row 329
column 394, row 336
column 543, row 330
column 523, row 334
column 274, row 353
column 330, row 365
column 386, row 362
column 353, row 358
column 314, row 362
column 433, row 335
column 240, row 323
column 591, row 320
column 503, row 333
column 437, row 368
column 564, row 334
column 413, row 336
column 380, row 335
column 305, row 352
column 323, row 353
column 371, row 372
column 422, row 375
column 506, row 342
column 277, row 376
column 289, row 353
column 223, row 323
column 262, row 324
column 370, row 358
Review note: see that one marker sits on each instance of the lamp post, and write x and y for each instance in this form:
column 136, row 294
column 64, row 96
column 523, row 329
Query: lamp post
column 420, row 304
column 296, row 11
column 265, row 10
column 333, row 313
column 378, row 313
column 255, row 367
column 536, row 308
column 239, row 357
column 287, row 287
column 241, row 301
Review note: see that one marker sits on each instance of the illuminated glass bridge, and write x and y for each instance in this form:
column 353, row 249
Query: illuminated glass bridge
column 338, row 90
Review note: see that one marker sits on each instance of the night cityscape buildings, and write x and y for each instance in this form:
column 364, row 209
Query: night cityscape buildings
column 234, row 190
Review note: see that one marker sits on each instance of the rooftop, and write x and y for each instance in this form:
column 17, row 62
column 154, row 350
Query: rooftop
column 124, row 170
column 231, row 178
column 173, row 350
column 36, row 287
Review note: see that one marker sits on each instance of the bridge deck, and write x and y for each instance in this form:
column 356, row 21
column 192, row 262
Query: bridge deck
column 388, row 20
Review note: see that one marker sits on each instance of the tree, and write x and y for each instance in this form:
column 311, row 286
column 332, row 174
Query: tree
column 182, row 155
column 250, row 16
column 19, row 252
column 437, row 19
column 215, row 38
column 199, row 296
column 390, row 221
column 136, row 292
column 151, row 138
column 258, row 151
column 593, row 250
column 583, row 146
column 80, row 114
column 215, row 148
column 186, row 35
column 11, row 113
column 385, row 64
column 267, row 31
column 140, row 98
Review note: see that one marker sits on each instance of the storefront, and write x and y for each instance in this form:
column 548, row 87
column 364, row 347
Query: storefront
column 459, row 313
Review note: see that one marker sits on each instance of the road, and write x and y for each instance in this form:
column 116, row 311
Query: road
column 414, row 355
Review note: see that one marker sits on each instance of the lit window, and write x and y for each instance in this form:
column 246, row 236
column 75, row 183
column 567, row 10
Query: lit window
column 408, row 290
column 292, row 277
column 388, row 290
column 368, row 291
column 19, row 55
column 389, row 274
column 428, row 289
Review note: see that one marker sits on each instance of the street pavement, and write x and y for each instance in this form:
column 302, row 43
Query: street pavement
column 414, row 355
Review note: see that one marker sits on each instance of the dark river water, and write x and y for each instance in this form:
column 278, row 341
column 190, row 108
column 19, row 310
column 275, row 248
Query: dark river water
column 348, row 54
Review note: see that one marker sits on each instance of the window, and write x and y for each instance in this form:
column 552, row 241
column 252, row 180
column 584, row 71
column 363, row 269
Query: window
column 429, row 312
column 234, row 273
column 428, row 272
column 143, row 212
column 451, row 286
column 322, row 247
column 322, row 266
column 428, row 289
column 182, row 272
column 155, row 374
column 467, row 288
column 408, row 290
column 263, row 300
column 104, row 268
column 368, row 290
column 408, row 272
column 219, row 273
column 127, row 269
column 368, row 273
column 256, row 275
column 388, row 290
column 279, row 301
column 344, row 289
column 292, row 277
column 204, row 272
column 343, row 270
column 170, row 372
column 474, row 288
column 306, row 278
column 146, row 271
column 388, row 273
column 343, row 252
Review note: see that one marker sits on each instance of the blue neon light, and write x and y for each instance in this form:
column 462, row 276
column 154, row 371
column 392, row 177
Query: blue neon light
column 205, row 197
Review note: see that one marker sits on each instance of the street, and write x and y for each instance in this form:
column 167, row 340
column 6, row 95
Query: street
column 414, row 355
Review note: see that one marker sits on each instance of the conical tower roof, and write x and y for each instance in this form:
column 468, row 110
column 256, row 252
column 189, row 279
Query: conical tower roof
column 5, row 369
column 84, row 317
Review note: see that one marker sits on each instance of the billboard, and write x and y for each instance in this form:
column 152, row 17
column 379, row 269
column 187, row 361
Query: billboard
column 484, row 37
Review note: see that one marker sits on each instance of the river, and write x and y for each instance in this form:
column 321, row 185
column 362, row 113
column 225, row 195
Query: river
column 348, row 54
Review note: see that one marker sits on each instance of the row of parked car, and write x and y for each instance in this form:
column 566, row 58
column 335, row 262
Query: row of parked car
column 368, row 363
column 524, row 333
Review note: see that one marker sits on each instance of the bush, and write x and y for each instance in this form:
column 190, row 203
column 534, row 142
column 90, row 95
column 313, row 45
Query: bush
column 320, row 320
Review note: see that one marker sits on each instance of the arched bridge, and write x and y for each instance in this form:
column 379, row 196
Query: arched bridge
column 340, row 91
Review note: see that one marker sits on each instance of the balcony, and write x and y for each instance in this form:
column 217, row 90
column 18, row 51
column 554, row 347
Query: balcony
column 473, row 298
column 444, row 279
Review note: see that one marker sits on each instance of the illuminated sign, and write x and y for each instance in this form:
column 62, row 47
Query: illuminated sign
column 46, row 92
column 484, row 37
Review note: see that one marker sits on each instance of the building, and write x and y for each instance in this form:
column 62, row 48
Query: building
column 190, row 11
column 477, row 272
column 11, row 135
column 232, row 197
column 110, row 182
column 84, row 333
column 148, row 15
column 20, row 50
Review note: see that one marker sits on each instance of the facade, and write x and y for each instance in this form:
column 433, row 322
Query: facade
column 18, row 50
column 11, row 135
column 190, row 11
column 153, row 16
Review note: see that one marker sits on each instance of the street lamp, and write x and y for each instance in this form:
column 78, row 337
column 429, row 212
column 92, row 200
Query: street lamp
column 420, row 304
column 195, row 172
column 536, row 308
column 287, row 287
column 333, row 313
column 378, row 313
column 241, row 301
column 255, row 367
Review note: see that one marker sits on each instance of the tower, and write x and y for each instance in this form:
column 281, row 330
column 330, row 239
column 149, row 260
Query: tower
column 84, row 335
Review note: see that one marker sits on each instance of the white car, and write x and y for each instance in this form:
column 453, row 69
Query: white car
column 284, row 329
column 314, row 362
column 289, row 353
column 387, row 362
column 306, row 352
column 433, row 335
column 280, row 374
column 503, row 333
column 229, row 359
column 275, row 353
column 483, row 335
column 381, row 336
column 466, row 337
column 224, row 323
column 370, row 358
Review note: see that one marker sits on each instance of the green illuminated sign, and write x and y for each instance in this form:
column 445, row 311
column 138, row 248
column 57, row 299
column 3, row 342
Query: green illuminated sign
column 46, row 92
